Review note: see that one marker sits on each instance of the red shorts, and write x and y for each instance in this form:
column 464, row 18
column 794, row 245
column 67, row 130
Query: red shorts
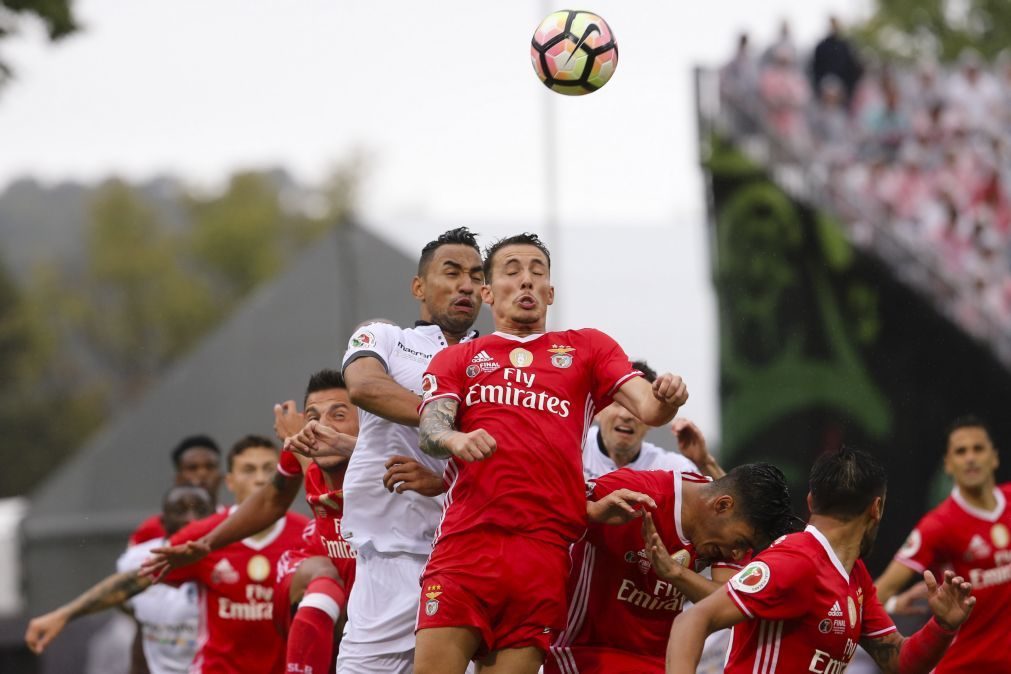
column 510, row 588
column 599, row 660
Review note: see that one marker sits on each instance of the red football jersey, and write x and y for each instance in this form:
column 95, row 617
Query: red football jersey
column 328, row 507
column 616, row 600
column 977, row 546
column 536, row 396
column 236, row 592
column 148, row 530
column 807, row 614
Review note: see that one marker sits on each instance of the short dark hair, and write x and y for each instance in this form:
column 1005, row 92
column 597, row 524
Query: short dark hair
column 648, row 373
column 245, row 442
column 762, row 498
column 524, row 239
column 461, row 236
column 191, row 441
column 966, row 421
column 195, row 488
column 845, row 482
column 323, row 380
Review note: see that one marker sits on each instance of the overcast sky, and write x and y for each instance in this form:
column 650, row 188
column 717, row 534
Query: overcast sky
column 442, row 100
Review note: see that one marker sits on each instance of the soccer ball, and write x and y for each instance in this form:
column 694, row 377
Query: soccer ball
column 574, row 52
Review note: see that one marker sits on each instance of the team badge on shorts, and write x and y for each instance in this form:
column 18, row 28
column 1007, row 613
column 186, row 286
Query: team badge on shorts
column 432, row 605
column 999, row 535
column 258, row 568
column 363, row 339
column 752, row 578
column 561, row 356
column 521, row 357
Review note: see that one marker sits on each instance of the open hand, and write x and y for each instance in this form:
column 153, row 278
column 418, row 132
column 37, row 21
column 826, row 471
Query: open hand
column 287, row 419
column 168, row 557
column 619, row 507
column 951, row 601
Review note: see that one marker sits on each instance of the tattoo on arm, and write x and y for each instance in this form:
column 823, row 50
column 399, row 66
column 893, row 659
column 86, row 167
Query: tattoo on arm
column 112, row 591
column 438, row 421
column 884, row 651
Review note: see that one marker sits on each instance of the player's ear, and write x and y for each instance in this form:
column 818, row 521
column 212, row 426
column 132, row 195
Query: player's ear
column 418, row 288
column 724, row 504
column 877, row 508
column 486, row 296
column 551, row 295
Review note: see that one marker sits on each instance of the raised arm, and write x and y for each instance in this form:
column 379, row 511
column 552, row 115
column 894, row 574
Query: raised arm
column 439, row 437
column 106, row 594
column 951, row 603
column 374, row 390
column 692, row 444
column 654, row 404
column 264, row 507
column 690, row 629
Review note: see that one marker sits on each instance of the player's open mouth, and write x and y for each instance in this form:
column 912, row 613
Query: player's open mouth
column 624, row 429
column 526, row 302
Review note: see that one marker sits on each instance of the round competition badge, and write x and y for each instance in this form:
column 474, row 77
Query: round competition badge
column 520, row 357
column 258, row 568
column 999, row 535
column 752, row 578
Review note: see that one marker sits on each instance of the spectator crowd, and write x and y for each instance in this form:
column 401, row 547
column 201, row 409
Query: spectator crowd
column 920, row 149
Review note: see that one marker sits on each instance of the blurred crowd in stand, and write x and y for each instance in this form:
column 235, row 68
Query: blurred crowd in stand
column 921, row 149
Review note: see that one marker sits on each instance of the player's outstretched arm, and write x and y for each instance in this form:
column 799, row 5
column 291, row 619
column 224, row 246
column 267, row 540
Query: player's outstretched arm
column 265, row 506
column 374, row 390
column 439, row 437
column 106, row 594
column 692, row 444
column 694, row 586
column 690, row 629
column 654, row 404
column 951, row 603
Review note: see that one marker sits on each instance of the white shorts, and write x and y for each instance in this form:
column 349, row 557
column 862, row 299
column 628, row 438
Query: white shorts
column 382, row 610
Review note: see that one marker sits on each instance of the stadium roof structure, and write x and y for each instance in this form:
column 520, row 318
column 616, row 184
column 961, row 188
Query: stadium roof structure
column 79, row 519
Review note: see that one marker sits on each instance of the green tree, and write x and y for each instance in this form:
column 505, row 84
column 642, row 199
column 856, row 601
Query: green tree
column 138, row 307
column 44, row 412
column 938, row 28
column 56, row 15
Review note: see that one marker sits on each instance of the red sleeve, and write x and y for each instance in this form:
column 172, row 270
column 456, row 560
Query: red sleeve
column 611, row 368
column 919, row 552
column 288, row 464
column 774, row 586
column 649, row 482
column 444, row 377
column 876, row 622
column 148, row 530
column 198, row 529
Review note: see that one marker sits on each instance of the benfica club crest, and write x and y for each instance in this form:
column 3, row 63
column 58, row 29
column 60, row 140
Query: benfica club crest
column 561, row 356
column 432, row 605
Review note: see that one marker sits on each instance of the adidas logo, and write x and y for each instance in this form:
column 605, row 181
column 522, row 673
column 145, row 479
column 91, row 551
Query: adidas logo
column 835, row 611
column 482, row 357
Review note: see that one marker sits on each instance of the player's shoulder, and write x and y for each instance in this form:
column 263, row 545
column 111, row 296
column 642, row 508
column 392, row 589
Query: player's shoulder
column 654, row 457
column 587, row 336
column 135, row 555
column 150, row 528
column 369, row 333
column 296, row 522
column 797, row 549
column 199, row 528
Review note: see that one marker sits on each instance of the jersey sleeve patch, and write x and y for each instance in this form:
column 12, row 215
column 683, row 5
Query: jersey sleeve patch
column 752, row 578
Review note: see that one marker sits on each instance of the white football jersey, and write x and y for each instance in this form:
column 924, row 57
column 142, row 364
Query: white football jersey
column 651, row 457
column 391, row 522
column 168, row 616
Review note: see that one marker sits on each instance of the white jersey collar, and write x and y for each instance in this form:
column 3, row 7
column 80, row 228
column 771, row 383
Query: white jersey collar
column 432, row 330
column 985, row 515
column 679, row 503
column 516, row 338
column 820, row 537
